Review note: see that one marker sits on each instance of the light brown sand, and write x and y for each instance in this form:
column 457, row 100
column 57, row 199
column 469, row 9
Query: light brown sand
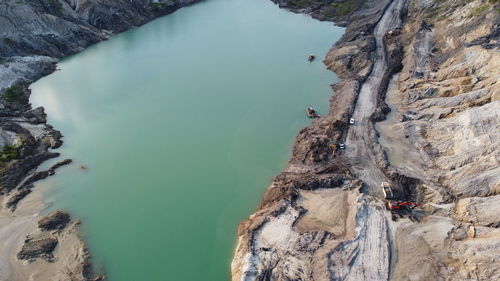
column 70, row 254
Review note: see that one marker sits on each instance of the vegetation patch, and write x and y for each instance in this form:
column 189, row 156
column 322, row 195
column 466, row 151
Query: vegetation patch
column 433, row 12
column 300, row 4
column 14, row 94
column 7, row 154
column 344, row 8
column 477, row 11
column 54, row 6
column 440, row 8
column 8, row 41
column 10, row 152
column 157, row 5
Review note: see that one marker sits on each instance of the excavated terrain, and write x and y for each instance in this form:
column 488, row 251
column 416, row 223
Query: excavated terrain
column 420, row 78
column 448, row 98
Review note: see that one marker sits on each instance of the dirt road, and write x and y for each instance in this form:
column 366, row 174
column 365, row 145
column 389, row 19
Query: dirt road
column 358, row 142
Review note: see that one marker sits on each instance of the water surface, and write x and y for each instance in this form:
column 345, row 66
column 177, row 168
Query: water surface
column 182, row 123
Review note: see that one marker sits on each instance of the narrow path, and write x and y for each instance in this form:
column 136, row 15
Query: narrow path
column 358, row 139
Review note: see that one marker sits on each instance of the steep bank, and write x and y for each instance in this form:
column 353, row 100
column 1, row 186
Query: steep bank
column 324, row 217
column 34, row 36
column 447, row 125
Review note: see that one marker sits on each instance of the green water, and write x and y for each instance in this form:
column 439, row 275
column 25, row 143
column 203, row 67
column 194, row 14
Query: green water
column 182, row 124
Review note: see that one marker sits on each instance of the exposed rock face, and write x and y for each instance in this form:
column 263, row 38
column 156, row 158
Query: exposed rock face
column 58, row 28
column 428, row 123
column 54, row 221
column 38, row 248
column 452, row 117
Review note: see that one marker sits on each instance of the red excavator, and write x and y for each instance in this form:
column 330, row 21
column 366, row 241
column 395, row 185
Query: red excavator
column 400, row 205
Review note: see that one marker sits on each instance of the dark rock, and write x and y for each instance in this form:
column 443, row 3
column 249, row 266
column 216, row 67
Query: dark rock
column 485, row 41
column 407, row 116
column 54, row 221
column 28, row 183
column 35, row 248
column 61, row 163
column 36, row 116
column 36, row 177
column 17, row 196
column 17, row 172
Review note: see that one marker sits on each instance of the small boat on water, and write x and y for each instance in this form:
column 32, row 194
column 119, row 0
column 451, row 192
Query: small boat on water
column 311, row 57
column 311, row 113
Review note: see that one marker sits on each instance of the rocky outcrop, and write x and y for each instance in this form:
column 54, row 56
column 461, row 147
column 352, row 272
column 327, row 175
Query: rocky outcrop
column 424, row 93
column 40, row 247
column 56, row 242
column 42, row 244
column 54, row 221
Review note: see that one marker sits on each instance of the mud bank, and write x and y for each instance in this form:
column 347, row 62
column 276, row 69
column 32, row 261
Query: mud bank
column 325, row 216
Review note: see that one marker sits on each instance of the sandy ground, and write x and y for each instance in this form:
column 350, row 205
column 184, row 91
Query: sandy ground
column 328, row 210
column 400, row 153
column 420, row 248
column 13, row 229
column 70, row 253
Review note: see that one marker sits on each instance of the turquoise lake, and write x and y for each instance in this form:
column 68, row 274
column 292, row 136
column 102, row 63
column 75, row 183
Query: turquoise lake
column 182, row 123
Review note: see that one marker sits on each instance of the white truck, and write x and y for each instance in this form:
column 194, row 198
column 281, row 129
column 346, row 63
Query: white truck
column 386, row 190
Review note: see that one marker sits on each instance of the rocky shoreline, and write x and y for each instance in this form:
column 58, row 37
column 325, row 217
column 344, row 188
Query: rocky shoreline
column 325, row 216
column 432, row 132
column 35, row 35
